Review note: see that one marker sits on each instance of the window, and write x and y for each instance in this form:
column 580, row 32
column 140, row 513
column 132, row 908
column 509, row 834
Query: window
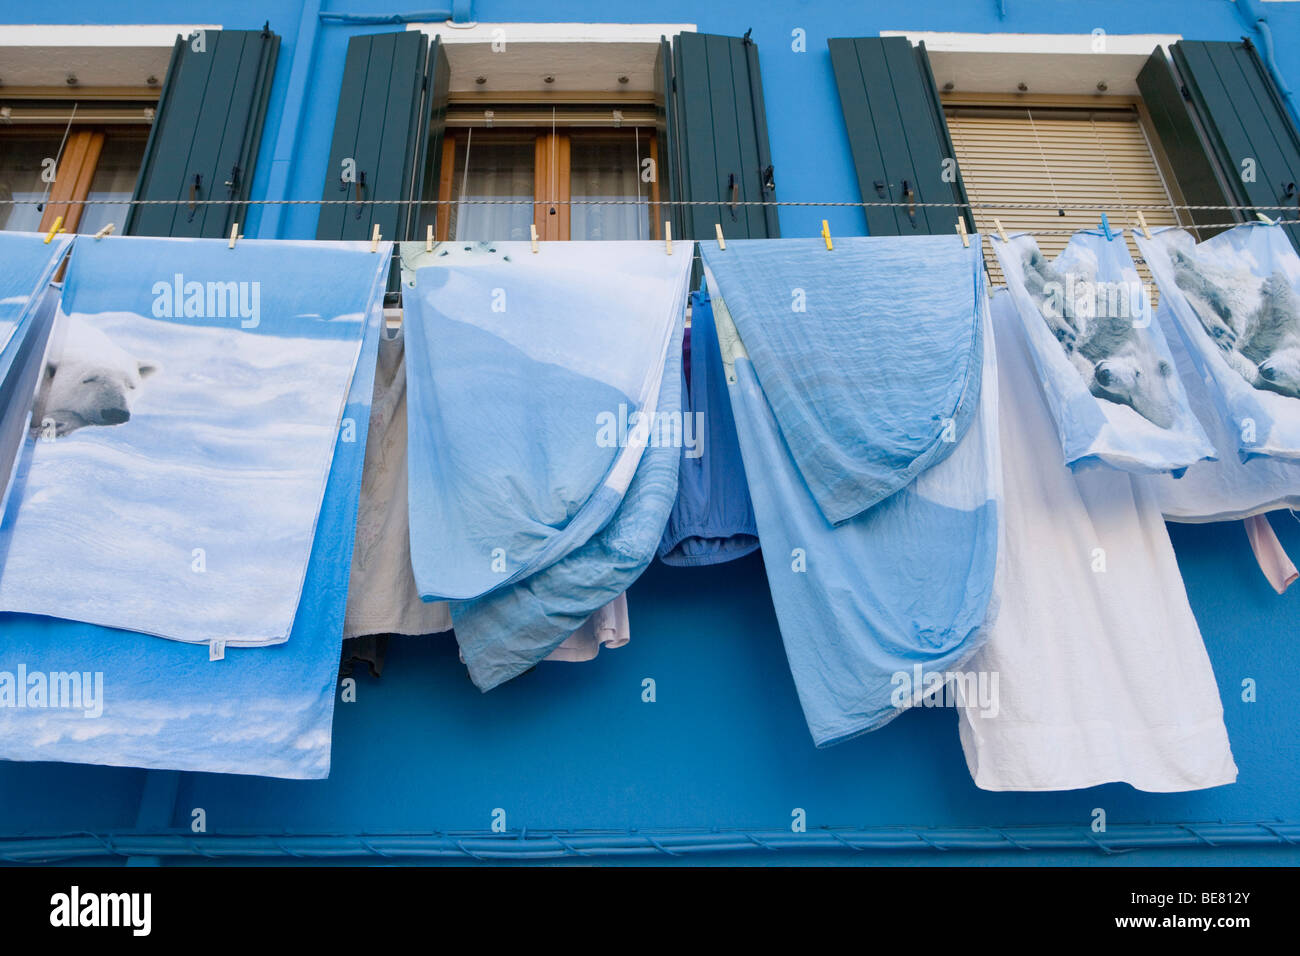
column 95, row 152
column 527, row 166
column 1056, row 154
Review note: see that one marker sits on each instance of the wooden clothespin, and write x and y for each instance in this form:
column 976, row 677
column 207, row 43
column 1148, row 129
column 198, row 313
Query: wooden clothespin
column 56, row 228
column 374, row 239
column 1142, row 222
column 1002, row 233
column 428, row 239
column 961, row 231
column 826, row 234
column 717, row 228
column 104, row 232
column 1262, row 218
column 234, row 234
column 532, row 232
column 668, row 238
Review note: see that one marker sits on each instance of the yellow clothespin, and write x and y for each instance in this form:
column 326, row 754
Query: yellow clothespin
column 826, row 234
column 532, row 231
column 234, row 234
column 961, row 231
column 1002, row 233
column 1262, row 218
column 428, row 239
column 57, row 227
column 104, row 232
column 668, row 238
column 1142, row 221
column 717, row 228
column 374, row 239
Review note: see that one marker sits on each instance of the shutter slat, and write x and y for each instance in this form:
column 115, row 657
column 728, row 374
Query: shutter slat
column 383, row 125
column 209, row 120
column 1244, row 119
column 897, row 135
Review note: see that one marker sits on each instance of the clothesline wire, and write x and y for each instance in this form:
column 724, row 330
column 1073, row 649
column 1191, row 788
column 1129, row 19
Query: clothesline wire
column 1097, row 207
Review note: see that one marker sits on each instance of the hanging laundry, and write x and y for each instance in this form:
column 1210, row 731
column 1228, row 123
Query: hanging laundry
column 26, row 316
column 1095, row 664
column 1228, row 488
column 712, row 520
column 183, row 432
column 84, row 694
column 1105, row 366
column 1235, row 301
column 907, row 582
column 544, row 433
column 382, row 596
column 912, row 389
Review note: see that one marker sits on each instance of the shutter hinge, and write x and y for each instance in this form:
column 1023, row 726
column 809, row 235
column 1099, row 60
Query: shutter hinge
column 1245, row 42
column 1187, row 95
column 232, row 184
column 768, row 177
column 746, row 39
column 266, row 30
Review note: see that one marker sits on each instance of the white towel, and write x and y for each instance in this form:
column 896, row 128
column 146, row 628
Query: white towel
column 1102, row 675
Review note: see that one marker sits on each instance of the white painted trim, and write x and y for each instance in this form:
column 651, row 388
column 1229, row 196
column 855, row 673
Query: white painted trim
column 555, row 32
column 150, row 35
column 1050, row 43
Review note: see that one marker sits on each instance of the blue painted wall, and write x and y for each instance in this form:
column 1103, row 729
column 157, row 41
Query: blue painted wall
column 725, row 744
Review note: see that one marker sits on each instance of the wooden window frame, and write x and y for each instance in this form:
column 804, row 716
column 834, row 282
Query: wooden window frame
column 552, row 165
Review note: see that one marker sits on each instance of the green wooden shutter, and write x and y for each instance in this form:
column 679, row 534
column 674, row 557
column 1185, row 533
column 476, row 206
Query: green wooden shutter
column 901, row 149
column 381, row 131
column 721, row 142
column 1177, row 128
column 668, row 171
column 205, row 134
column 1247, row 126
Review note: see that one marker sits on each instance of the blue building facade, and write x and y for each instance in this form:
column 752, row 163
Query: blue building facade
column 723, row 746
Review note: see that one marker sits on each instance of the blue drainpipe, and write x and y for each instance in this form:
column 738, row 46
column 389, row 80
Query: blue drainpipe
column 1252, row 11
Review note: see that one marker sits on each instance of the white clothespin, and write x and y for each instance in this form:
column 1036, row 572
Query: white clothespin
column 826, row 234
column 1262, row 218
column 104, row 232
column 961, row 231
column 234, row 234
column 668, row 238
column 428, row 239
column 374, row 239
column 717, row 228
column 1002, row 233
column 1142, row 222
column 532, row 232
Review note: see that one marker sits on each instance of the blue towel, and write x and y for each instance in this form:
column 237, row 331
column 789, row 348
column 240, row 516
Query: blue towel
column 29, row 265
column 712, row 520
column 905, row 586
column 163, row 704
column 1235, row 301
column 183, row 433
column 1106, row 369
column 530, row 381
column 862, row 419
column 506, row 632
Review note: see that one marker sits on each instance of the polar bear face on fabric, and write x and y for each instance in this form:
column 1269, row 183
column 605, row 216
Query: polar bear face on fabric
column 1254, row 321
column 91, row 381
column 1118, row 363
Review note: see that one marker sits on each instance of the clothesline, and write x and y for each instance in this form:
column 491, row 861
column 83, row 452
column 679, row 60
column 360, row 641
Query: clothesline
column 1098, row 207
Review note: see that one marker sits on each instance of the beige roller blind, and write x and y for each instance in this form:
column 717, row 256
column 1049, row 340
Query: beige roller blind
column 1049, row 156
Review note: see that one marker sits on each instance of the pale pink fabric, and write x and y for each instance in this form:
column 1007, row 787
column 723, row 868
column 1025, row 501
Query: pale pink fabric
column 1270, row 554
